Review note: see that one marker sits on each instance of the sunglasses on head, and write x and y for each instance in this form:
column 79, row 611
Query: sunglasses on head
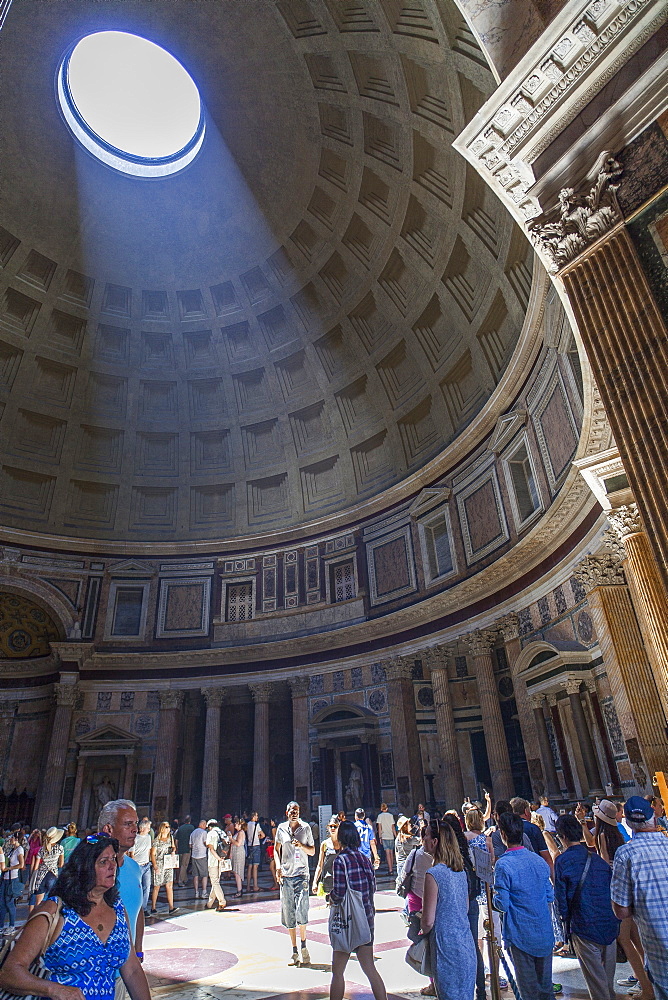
column 96, row 838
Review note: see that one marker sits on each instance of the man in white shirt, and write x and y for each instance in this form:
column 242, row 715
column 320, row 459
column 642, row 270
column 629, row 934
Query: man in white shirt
column 198, row 858
column 549, row 815
column 387, row 833
column 215, row 840
column 293, row 847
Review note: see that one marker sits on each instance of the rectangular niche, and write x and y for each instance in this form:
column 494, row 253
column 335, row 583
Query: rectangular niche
column 127, row 608
column 391, row 566
column 482, row 517
column 183, row 607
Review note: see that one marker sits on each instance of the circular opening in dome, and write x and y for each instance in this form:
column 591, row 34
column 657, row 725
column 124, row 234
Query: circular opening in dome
column 131, row 104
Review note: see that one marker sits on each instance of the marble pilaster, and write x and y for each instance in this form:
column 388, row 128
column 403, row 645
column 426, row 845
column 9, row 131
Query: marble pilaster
column 261, row 696
column 171, row 705
column 509, row 627
column 479, row 645
column 445, row 727
column 546, row 755
column 213, row 698
column 301, row 750
column 48, row 808
column 405, row 737
column 584, row 739
column 78, row 790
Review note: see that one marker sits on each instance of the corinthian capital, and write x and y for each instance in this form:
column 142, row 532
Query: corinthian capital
column 626, row 520
column 536, row 701
column 260, row 692
column 479, row 643
column 214, row 696
column 572, row 686
column 299, row 686
column 604, row 570
column 436, row 657
column 171, row 699
column 66, row 694
column 509, row 627
column 397, row 668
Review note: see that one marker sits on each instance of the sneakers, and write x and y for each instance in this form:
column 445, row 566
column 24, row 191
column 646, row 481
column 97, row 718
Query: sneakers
column 503, row 983
column 629, row 981
column 294, row 959
column 557, row 988
column 635, row 991
column 306, row 958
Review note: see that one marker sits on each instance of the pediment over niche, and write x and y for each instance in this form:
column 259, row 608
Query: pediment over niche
column 427, row 499
column 132, row 567
column 506, row 428
column 108, row 739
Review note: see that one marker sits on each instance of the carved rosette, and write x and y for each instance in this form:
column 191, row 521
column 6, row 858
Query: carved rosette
column 626, row 520
column 66, row 694
column 214, row 696
column 603, row 570
column 260, row 692
column 509, row 627
column 480, row 643
column 299, row 686
column 170, row 700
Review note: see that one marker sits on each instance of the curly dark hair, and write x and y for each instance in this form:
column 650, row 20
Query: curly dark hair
column 77, row 876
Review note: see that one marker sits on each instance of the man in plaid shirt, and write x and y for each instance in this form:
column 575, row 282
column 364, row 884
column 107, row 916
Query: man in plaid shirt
column 639, row 888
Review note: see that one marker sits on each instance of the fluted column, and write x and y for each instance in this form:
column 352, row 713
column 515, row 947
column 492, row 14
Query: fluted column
column 213, row 698
column 546, row 755
column 480, row 646
column 301, row 750
column 171, row 704
column 509, row 627
column 632, row 683
column 7, row 714
column 129, row 778
column 647, row 591
column 78, row 789
column 53, row 771
column 405, row 737
column 261, row 696
column 584, row 737
column 445, row 727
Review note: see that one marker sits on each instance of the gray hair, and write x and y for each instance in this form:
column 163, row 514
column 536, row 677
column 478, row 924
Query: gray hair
column 641, row 824
column 109, row 812
column 144, row 825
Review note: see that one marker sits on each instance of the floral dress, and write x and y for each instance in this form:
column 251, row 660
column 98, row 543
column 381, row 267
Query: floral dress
column 49, row 858
column 163, row 876
column 79, row 958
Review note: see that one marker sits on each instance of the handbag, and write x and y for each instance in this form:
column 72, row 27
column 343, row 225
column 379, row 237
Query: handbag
column 225, row 865
column 405, row 883
column 171, row 861
column 37, row 966
column 418, row 955
column 348, row 922
column 575, row 899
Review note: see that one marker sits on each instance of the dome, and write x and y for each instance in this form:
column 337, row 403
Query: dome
column 305, row 317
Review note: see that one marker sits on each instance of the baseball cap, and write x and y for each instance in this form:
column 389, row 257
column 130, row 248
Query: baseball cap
column 212, row 822
column 638, row 809
column 606, row 811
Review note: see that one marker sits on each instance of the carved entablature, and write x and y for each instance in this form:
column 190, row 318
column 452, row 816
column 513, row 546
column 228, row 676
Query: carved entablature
column 564, row 233
column 603, row 570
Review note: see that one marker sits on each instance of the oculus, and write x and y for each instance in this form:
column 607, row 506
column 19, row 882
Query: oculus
column 131, row 104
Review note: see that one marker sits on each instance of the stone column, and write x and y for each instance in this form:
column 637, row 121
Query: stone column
column 584, row 737
column 53, row 772
column 7, row 713
column 509, row 627
column 546, row 755
column 261, row 696
column 647, row 591
column 129, row 779
column 632, row 682
column 437, row 661
column 78, row 789
column 171, row 705
column 213, row 697
column 626, row 342
column 406, row 750
column 301, row 750
column 479, row 645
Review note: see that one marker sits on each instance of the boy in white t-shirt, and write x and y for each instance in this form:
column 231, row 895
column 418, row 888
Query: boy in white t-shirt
column 387, row 832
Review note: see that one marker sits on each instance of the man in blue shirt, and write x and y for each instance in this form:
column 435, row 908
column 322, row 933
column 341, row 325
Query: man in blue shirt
column 523, row 892
column 367, row 839
column 593, row 925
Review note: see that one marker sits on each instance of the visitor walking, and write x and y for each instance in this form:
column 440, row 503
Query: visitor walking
column 216, row 843
column 254, row 836
column 198, row 856
column 182, row 838
column 445, row 914
column 639, row 888
column 51, row 858
column 329, row 848
column 293, row 847
column 523, row 892
column 387, row 832
column 86, row 932
column 118, row 819
column 582, row 891
column 141, row 853
column 549, row 815
column 367, row 839
column 405, row 841
column 352, row 871
column 163, row 873
column 238, row 855
column 10, row 882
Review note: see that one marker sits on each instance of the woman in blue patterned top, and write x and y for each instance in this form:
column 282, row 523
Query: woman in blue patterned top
column 91, row 943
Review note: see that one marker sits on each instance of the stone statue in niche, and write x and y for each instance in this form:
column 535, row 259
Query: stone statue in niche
column 354, row 793
column 105, row 791
column 582, row 218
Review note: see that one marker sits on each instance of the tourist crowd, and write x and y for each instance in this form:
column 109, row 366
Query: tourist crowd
column 588, row 884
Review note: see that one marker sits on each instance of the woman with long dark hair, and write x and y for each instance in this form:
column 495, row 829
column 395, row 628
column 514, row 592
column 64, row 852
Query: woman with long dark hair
column 329, row 849
column 88, row 936
column 474, row 905
column 445, row 910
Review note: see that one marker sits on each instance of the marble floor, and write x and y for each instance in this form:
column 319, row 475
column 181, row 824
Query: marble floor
column 242, row 953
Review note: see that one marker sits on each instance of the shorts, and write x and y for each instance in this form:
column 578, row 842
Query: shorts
column 388, row 845
column 46, row 885
column 294, row 901
column 253, row 857
column 200, row 867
